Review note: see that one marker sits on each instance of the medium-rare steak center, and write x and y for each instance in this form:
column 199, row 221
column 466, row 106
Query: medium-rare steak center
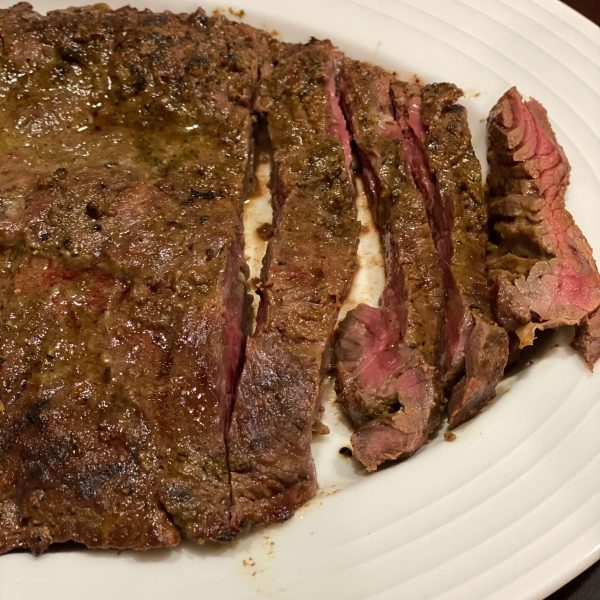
column 541, row 266
column 449, row 176
column 388, row 357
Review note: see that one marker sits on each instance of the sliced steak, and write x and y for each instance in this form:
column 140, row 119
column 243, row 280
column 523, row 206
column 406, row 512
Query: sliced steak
column 309, row 266
column 121, row 273
column 388, row 357
column 540, row 264
column 439, row 150
column 386, row 388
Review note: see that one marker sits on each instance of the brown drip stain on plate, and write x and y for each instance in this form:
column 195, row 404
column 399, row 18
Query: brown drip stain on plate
column 256, row 567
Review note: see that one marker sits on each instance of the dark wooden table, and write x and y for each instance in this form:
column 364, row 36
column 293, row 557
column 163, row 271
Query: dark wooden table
column 587, row 585
column 589, row 8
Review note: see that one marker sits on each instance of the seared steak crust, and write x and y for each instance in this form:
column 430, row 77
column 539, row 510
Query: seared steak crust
column 381, row 353
column 476, row 348
column 540, row 264
column 308, row 269
column 126, row 142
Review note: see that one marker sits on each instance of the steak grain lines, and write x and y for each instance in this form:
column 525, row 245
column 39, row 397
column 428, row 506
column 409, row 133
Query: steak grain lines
column 540, row 264
column 388, row 357
column 307, row 272
column 449, row 175
column 121, row 273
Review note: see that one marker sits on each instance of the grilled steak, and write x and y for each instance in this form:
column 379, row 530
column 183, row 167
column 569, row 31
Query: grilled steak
column 134, row 409
column 388, row 357
column 449, row 176
column 309, row 265
column 540, row 264
column 123, row 163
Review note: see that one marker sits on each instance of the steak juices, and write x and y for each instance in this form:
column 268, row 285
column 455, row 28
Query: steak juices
column 137, row 407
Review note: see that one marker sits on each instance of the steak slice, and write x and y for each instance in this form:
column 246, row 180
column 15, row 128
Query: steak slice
column 541, row 267
column 308, row 269
column 388, row 357
column 449, row 175
column 121, row 273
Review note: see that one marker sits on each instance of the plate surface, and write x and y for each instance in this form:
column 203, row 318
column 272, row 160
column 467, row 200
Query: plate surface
column 510, row 510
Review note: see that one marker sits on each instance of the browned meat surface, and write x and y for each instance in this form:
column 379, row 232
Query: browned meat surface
column 540, row 264
column 438, row 146
column 587, row 338
column 309, row 266
column 388, row 380
column 386, row 388
column 126, row 142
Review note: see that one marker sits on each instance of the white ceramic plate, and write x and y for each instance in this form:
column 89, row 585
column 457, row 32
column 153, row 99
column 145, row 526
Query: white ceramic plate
column 510, row 510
